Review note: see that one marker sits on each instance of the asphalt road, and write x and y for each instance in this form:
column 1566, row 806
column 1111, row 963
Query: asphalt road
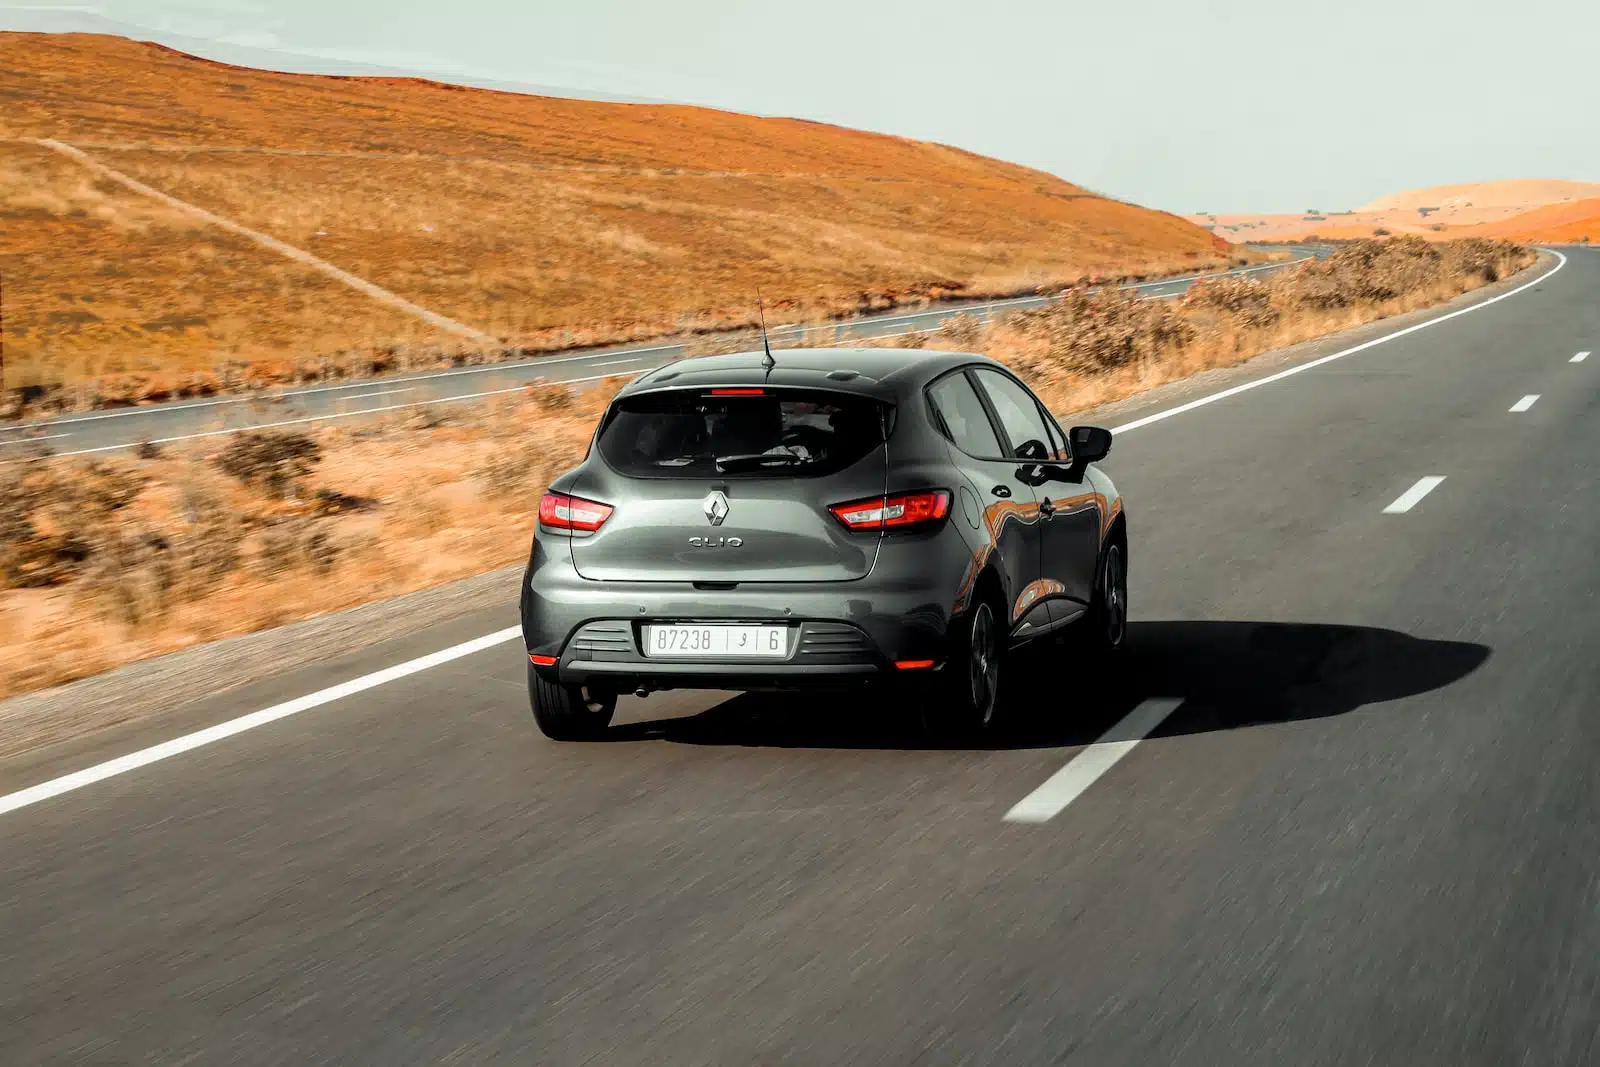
column 1369, row 832
column 193, row 419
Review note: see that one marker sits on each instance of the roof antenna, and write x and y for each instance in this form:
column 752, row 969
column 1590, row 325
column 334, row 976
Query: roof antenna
column 766, row 361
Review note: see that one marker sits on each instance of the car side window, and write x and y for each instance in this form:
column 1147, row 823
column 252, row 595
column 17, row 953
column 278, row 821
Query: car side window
column 1059, row 449
column 1019, row 414
column 968, row 424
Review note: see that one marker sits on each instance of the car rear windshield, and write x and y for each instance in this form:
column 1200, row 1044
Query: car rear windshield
column 739, row 432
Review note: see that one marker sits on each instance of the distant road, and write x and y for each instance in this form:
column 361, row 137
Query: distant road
column 1362, row 825
column 107, row 431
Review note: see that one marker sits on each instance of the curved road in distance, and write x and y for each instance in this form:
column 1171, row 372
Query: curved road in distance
column 1367, row 829
column 106, row 431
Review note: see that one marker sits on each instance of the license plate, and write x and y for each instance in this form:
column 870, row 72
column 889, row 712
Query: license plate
column 716, row 642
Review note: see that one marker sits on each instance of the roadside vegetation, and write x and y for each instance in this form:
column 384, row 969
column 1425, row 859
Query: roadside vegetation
column 109, row 560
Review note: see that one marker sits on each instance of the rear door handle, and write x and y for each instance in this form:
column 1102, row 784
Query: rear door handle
column 1046, row 508
column 1003, row 491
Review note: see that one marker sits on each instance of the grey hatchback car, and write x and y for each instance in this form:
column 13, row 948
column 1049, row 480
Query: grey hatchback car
column 824, row 518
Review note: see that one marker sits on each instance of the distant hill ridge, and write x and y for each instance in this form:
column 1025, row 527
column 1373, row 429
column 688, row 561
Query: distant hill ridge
column 541, row 222
column 1517, row 193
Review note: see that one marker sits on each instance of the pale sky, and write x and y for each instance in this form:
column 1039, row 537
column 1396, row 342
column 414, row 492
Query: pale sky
column 1187, row 105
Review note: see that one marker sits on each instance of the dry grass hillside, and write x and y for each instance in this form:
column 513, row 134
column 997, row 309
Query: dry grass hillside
column 543, row 222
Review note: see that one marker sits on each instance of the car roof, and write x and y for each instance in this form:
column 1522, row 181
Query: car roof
column 883, row 372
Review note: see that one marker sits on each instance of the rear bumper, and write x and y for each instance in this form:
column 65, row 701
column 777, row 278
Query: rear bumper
column 823, row 653
column 843, row 634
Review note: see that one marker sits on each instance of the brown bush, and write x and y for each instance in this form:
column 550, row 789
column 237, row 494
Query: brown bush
column 551, row 397
column 294, row 542
column 961, row 331
column 1242, row 299
column 53, row 516
column 1378, row 272
column 271, row 461
column 1094, row 332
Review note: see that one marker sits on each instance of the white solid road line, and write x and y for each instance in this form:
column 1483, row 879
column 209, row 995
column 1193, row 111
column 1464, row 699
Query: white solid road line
column 1579, row 358
column 1069, row 783
column 380, row 392
column 189, row 742
column 1525, row 403
column 1118, row 741
column 31, row 440
column 1413, row 496
column 292, row 422
column 343, row 414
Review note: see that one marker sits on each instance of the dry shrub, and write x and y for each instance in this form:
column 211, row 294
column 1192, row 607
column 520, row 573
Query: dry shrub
column 53, row 517
column 1071, row 349
column 551, row 397
column 1246, row 301
column 271, row 461
column 1377, row 272
column 139, row 570
column 519, row 471
column 295, row 542
column 1086, row 333
column 961, row 331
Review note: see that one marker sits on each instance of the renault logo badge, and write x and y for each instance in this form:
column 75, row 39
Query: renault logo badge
column 715, row 506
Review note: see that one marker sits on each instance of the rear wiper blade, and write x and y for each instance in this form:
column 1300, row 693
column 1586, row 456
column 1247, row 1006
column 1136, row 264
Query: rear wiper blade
column 752, row 461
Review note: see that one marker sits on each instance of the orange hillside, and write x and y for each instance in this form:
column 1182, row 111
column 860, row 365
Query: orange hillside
column 1518, row 194
column 1555, row 223
column 1486, row 209
column 536, row 220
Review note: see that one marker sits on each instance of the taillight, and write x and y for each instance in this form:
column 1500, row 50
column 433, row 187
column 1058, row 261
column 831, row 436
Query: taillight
column 563, row 512
column 894, row 512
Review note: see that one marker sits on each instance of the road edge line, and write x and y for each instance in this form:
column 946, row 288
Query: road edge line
column 143, row 757
column 1290, row 372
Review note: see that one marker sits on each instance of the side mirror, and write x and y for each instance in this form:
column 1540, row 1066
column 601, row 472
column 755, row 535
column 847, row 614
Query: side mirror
column 1090, row 444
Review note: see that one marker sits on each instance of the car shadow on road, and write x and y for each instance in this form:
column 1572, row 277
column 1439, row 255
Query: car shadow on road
column 1228, row 675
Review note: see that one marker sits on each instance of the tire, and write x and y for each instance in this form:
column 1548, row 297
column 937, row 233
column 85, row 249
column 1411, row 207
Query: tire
column 1105, row 629
column 965, row 700
column 569, row 712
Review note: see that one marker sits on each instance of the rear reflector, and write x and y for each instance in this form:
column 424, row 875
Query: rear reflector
column 738, row 392
column 913, row 664
column 894, row 512
column 541, row 661
column 562, row 512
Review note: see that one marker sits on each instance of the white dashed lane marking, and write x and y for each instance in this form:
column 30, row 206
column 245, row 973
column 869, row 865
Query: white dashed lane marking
column 1070, row 782
column 1413, row 496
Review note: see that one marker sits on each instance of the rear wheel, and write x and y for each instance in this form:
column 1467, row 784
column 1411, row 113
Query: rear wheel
column 967, row 693
column 1106, row 627
column 569, row 712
